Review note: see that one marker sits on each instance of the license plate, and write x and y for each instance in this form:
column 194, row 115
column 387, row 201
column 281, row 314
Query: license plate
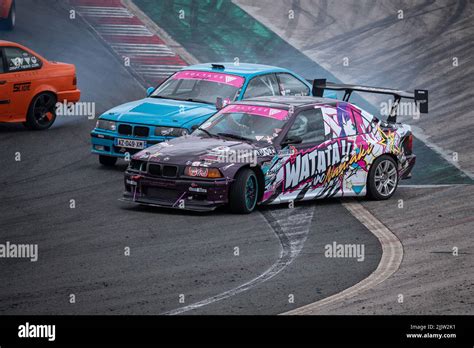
column 130, row 143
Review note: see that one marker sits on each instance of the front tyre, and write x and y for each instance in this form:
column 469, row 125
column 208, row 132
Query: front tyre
column 383, row 178
column 244, row 192
column 42, row 112
column 107, row 161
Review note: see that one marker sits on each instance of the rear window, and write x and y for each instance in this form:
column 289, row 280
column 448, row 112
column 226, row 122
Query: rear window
column 290, row 85
column 19, row 60
column 264, row 85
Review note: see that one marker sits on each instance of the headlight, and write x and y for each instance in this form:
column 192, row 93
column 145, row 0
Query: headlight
column 203, row 172
column 104, row 124
column 170, row 131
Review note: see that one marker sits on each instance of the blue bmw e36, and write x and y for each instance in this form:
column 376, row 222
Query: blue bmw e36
column 183, row 102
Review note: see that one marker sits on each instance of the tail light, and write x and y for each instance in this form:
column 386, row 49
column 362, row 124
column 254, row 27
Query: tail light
column 408, row 144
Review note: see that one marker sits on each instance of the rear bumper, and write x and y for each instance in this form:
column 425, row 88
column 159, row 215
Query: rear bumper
column 187, row 194
column 69, row 96
column 407, row 167
column 72, row 96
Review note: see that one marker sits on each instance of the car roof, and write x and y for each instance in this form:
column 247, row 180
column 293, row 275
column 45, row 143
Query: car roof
column 7, row 43
column 243, row 69
column 285, row 102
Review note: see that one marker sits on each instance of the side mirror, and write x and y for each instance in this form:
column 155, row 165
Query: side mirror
column 291, row 141
column 219, row 103
column 149, row 91
column 194, row 127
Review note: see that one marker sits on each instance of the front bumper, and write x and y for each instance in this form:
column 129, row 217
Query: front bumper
column 103, row 143
column 179, row 193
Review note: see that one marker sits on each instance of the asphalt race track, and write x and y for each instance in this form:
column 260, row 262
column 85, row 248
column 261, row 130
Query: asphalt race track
column 269, row 262
column 172, row 253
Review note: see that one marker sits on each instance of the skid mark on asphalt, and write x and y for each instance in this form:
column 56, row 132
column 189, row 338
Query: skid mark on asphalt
column 291, row 226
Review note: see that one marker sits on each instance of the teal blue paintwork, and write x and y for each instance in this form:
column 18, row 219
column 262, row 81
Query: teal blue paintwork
column 153, row 112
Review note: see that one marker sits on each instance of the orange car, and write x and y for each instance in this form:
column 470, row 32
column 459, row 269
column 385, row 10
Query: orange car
column 30, row 86
column 7, row 14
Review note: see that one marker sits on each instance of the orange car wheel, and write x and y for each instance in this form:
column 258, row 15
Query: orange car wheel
column 9, row 22
column 42, row 111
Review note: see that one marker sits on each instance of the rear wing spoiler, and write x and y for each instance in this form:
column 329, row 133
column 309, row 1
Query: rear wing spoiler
column 420, row 96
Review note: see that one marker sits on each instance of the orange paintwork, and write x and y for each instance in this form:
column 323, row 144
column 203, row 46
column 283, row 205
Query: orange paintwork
column 15, row 99
column 5, row 8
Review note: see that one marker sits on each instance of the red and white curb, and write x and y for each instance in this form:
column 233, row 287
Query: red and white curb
column 148, row 55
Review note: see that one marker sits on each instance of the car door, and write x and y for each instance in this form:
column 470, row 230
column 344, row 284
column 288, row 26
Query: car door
column 305, row 150
column 5, row 92
column 345, row 127
column 20, row 78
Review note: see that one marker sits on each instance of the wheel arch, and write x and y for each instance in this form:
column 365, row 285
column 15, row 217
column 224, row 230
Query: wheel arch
column 39, row 92
column 367, row 180
column 260, row 178
column 389, row 154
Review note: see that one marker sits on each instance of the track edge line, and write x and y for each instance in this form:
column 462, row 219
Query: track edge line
column 392, row 257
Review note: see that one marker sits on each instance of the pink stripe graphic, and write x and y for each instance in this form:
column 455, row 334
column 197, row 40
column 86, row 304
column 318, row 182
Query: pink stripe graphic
column 231, row 80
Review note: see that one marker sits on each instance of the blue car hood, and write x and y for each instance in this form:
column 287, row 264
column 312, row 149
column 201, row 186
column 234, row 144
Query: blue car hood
column 159, row 112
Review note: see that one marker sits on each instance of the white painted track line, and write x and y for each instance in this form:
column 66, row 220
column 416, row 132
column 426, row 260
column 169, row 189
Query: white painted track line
column 291, row 226
column 123, row 29
column 111, row 12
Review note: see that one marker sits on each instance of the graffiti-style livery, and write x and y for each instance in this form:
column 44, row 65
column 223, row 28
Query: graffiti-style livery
column 7, row 14
column 273, row 150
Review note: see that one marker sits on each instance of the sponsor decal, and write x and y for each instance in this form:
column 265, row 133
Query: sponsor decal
column 264, row 111
column 23, row 63
column 322, row 164
column 231, row 80
column 21, row 87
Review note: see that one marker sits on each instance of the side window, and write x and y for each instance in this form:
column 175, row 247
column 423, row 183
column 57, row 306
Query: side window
column 19, row 60
column 1, row 61
column 290, row 85
column 259, row 86
column 341, row 121
column 308, row 126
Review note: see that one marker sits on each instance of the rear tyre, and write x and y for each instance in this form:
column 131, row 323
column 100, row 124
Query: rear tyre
column 107, row 161
column 42, row 112
column 383, row 178
column 9, row 23
column 244, row 192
